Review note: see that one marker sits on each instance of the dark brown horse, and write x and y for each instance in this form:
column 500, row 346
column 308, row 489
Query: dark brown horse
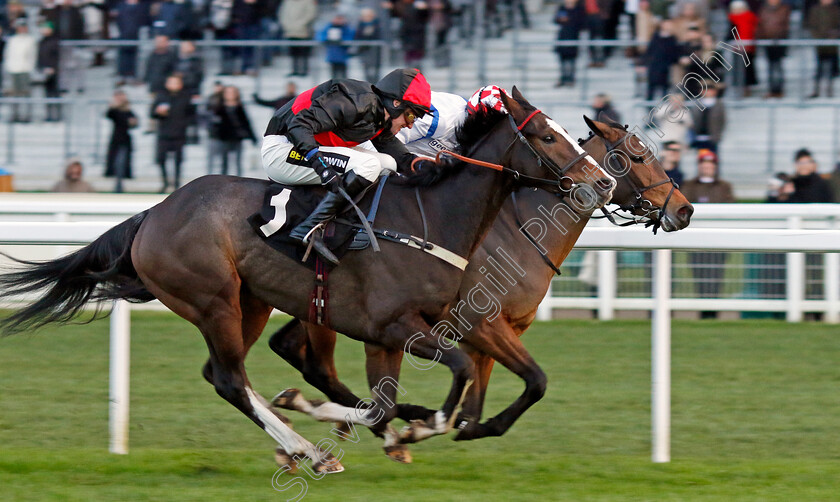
column 643, row 188
column 196, row 254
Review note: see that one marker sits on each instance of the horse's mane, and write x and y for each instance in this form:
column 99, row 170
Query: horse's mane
column 475, row 127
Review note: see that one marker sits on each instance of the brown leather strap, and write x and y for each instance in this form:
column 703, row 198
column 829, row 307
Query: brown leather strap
column 495, row 167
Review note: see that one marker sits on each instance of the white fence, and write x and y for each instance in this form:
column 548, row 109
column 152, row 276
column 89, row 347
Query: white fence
column 794, row 229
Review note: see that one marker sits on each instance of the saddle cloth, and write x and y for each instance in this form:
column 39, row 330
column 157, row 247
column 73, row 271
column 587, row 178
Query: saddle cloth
column 284, row 207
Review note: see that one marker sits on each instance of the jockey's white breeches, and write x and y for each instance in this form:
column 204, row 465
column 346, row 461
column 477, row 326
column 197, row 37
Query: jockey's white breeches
column 280, row 167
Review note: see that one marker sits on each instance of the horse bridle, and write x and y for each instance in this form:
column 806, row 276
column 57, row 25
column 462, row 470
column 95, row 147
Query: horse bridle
column 640, row 204
column 562, row 185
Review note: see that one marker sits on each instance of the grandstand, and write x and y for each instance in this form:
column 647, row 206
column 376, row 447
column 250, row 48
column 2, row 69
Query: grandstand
column 759, row 140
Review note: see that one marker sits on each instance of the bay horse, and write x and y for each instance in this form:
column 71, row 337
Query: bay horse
column 196, row 253
column 643, row 188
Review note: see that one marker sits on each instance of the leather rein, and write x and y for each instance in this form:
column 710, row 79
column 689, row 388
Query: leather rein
column 563, row 184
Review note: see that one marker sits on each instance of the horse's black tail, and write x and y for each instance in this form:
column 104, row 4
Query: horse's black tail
column 101, row 270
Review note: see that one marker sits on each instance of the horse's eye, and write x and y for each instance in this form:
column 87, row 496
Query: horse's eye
column 548, row 139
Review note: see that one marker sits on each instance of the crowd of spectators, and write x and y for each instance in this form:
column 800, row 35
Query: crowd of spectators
column 668, row 34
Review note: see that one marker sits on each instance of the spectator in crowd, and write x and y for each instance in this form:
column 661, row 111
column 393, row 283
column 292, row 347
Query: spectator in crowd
column 693, row 43
column 73, row 181
column 671, row 161
column 95, row 17
column 118, row 160
column 132, row 15
column 220, row 17
column 231, row 126
column 415, row 17
column 597, row 12
column 19, row 58
column 48, row 63
column 335, row 34
column 246, row 26
column 823, row 22
column 191, row 68
column 779, row 188
column 160, row 64
column 774, row 24
column 603, row 110
column 707, row 268
column 644, row 26
column 66, row 18
column 14, row 10
column 296, row 18
column 710, row 122
column 834, row 182
column 214, row 101
column 689, row 19
column 174, row 111
column 441, row 21
column 662, row 53
column 707, row 60
column 808, row 185
column 173, row 19
column 707, row 187
column 2, row 54
column 611, row 21
column 571, row 18
column 269, row 28
column 746, row 22
column 371, row 56
column 673, row 120
column 291, row 93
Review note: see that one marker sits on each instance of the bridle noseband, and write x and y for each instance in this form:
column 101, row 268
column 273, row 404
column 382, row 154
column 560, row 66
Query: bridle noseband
column 565, row 183
column 562, row 185
column 640, row 203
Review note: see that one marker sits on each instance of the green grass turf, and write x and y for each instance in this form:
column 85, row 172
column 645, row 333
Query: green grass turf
column 756, row 416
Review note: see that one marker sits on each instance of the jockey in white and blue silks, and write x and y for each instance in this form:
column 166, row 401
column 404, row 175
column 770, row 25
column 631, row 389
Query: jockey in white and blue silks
column 435, row 131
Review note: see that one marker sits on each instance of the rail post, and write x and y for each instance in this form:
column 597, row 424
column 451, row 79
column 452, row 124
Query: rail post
column 606, row 284
column 119, row 377
column 795, row 277
column 661, row 358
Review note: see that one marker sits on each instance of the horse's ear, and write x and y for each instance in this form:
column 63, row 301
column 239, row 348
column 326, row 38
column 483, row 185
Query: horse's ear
column 512, row 105
column 599, row 128
column 520, row 98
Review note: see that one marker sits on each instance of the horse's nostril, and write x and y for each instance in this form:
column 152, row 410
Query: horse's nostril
column 684, row 213
column 605, row 184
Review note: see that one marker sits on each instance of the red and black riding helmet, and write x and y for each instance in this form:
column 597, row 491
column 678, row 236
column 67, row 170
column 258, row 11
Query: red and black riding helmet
column 409, row 87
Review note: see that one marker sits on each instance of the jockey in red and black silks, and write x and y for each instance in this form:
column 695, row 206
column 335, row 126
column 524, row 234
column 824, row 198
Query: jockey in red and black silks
column 314, row 138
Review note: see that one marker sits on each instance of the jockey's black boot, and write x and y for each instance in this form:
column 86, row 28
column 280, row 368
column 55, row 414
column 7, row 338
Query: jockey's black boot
column 325, row 210
column 354, row 184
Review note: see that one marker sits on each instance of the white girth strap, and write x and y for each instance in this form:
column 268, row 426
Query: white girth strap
column 438, row 252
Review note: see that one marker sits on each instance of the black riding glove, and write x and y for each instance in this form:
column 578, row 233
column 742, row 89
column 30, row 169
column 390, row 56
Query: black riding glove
column 329, row 177
column 424, row 164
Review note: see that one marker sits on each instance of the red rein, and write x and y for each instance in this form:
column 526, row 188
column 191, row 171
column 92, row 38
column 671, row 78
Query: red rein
column 495, row 167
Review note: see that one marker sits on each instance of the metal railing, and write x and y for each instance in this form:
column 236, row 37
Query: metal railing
column 737, row 270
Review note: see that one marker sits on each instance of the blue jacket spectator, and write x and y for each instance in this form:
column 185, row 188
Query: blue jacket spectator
column 338, row 55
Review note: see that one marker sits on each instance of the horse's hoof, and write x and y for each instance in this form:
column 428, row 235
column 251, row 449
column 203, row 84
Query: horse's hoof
column 398, row 453
column 330, row 465
column 283, row 459
column 408, row 434
column 343, row 430
column 285, row 399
